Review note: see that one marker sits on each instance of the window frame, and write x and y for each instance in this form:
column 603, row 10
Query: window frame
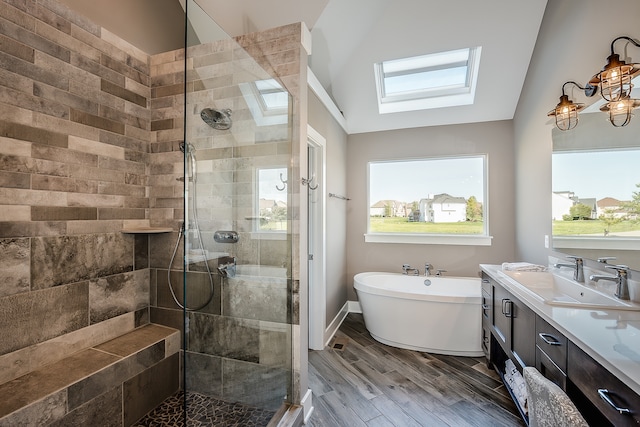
column 483, row 239
column 437, row 97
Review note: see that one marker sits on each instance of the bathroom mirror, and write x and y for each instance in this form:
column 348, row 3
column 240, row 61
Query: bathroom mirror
column 595, row 180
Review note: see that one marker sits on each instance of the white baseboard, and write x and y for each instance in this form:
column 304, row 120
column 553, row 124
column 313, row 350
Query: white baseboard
column 335, row 323
column 348, row 307
column 307, row 405
column 354, row 307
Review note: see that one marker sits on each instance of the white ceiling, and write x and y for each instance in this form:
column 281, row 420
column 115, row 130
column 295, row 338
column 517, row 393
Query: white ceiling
column 349, row 36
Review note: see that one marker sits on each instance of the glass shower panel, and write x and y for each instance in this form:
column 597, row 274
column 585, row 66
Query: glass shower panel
column 238, row 345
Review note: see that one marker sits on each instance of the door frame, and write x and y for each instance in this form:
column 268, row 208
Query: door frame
column 317, row 240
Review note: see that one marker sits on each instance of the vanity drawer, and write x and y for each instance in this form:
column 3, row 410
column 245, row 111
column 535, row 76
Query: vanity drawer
column 552, row 342
column 596, row 383
column 550, row 370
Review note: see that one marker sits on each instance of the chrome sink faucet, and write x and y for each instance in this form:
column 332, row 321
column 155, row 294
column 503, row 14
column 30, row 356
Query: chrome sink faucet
column 427, row 269
column 621, row 277
column 406, row 268
column 578, row 268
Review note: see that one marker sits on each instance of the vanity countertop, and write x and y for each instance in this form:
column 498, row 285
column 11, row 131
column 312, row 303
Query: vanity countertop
column 611, row 337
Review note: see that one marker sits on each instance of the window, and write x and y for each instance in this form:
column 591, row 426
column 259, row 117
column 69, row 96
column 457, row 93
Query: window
column 429, row 81
column 267, row 100
column 271, row 200
column 432, row 200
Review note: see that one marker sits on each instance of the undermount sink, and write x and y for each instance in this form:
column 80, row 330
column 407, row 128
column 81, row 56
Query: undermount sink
column 560, row 291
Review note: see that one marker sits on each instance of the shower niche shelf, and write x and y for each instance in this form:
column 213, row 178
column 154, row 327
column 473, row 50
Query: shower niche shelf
column 146, row 230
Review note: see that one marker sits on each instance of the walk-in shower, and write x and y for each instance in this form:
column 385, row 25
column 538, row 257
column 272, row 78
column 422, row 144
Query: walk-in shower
column 238, row 327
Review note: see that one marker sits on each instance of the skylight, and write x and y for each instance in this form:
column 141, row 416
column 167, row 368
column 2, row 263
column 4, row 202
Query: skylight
column 437, row 80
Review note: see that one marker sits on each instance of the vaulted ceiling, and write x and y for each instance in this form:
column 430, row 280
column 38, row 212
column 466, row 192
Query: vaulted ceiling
column 350, row 36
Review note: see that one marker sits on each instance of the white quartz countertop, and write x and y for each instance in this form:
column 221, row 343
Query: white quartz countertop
column 611, row 337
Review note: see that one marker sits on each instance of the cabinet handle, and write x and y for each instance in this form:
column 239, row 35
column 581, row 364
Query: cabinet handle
column 507, row 304
column 486, row 307
column 485, row 281
column 604, row 394
column 549, row 339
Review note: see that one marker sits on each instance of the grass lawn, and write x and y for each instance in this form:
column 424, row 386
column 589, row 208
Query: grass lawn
column 402, row 225
column 572, row 228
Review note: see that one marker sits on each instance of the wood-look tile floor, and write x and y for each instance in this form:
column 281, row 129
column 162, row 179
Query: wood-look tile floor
column 369, row 384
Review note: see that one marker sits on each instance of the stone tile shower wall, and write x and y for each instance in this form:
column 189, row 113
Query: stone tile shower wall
column 240, row 345
column 75, row 128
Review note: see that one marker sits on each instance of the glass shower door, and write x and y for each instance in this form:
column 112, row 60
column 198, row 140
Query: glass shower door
column 238, row 256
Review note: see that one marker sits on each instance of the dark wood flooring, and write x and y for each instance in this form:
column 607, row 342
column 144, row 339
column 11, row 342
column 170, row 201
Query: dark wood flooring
column 367, row 384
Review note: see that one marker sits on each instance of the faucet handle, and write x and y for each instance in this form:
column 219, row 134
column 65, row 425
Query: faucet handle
column 440, row 272
column 618, row 268
column 604, row 259
column 577, row 259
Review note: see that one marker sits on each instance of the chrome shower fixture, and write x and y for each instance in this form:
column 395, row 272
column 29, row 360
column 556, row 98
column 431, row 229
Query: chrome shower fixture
column 217, row 119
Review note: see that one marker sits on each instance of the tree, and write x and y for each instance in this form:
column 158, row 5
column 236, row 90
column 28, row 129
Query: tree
column 633, row 207
column 580, row 211
column 388, row 211
column 474, row 209
column 609, row 218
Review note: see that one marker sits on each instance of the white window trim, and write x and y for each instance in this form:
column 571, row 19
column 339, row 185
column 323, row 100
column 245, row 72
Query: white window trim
column 429, row 239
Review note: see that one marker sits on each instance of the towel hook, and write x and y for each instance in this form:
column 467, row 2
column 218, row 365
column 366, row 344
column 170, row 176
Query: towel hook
column 308, row 182
column 284, row 184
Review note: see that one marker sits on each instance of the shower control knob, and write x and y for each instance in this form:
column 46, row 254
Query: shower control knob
column 222, row 236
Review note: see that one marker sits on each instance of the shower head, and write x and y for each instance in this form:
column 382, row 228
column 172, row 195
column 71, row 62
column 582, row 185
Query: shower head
column 217, row 119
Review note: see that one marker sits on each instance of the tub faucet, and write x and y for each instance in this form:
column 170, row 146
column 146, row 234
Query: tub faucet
column 578, row 271
column 427, row 269
column 406, row 268
column 622, row 274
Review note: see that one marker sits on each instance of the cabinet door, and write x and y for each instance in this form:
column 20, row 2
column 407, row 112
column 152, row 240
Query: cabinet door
column 523, row 332
column 502, row 312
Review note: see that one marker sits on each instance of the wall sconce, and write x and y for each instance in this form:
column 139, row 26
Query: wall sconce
column 614, row 82
column 566, row 112
column 620, row 111
column 615, row 78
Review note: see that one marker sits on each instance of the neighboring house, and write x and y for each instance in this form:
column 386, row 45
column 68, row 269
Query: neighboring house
column 611, row 206
column 443, row 208
column 561, row 203
column 268, row 205
column 388, row 208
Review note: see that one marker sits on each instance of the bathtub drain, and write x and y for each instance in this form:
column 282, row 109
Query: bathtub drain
column 427, row 282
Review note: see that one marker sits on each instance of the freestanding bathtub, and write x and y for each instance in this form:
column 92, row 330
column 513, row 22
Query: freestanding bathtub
column 443, row 315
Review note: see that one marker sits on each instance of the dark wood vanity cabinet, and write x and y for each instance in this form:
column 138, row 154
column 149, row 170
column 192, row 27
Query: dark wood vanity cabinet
column 518, row 333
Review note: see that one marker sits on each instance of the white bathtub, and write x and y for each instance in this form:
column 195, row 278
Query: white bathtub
column 444, row 317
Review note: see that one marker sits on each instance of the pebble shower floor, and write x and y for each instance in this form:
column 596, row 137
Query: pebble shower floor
column 204, row 411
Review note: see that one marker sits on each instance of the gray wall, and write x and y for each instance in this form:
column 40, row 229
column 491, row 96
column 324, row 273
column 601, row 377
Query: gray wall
column 573, row 44
column 336, row 178
column 492, row 138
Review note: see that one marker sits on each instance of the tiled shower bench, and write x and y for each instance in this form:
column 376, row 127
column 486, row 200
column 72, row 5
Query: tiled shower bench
column 109, row 384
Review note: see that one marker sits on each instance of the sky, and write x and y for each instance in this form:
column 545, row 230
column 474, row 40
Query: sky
column 597, row 174
column 409, row 181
